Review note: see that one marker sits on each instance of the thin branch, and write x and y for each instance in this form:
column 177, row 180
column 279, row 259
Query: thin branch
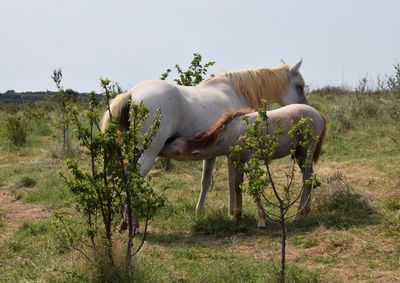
column 272, row 182
column 71, row 242
column 267, row 214
column 268, row 201
column 144, row 235
column 289, row 184
column 300, row 209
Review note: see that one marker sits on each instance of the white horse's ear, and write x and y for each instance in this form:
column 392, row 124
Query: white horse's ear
column 281, row 62
column 295, row 69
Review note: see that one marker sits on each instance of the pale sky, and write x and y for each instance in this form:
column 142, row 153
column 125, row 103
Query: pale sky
column 132, row 41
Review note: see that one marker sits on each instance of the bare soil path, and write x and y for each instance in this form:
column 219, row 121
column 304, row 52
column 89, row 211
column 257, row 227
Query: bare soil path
column 15, row 212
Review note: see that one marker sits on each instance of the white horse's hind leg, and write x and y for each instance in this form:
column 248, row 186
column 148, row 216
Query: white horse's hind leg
column 206, row 178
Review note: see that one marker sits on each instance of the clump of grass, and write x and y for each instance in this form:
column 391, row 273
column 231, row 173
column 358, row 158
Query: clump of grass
column 26, row 182
column 337, row 203
column 392, row 204
column 18, row 194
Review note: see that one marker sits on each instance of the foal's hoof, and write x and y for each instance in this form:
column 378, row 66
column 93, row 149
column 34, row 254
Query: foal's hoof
column 123, row 227
column 299, row 218
column 136, row 232
column 262, row 225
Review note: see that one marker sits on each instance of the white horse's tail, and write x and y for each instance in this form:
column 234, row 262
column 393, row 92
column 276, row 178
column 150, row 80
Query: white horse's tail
column 119, row 108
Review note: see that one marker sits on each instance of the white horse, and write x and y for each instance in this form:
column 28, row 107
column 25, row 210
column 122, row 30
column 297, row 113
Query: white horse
column 190, row 110
column 227, row 131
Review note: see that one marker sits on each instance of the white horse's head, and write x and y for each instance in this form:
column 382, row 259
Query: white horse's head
column 295, row 90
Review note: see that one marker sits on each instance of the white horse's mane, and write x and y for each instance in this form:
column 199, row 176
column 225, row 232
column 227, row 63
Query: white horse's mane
column 258, row 84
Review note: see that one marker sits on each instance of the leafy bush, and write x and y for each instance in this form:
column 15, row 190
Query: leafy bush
column 16, row 130
column 193, row 75
column 110, row 187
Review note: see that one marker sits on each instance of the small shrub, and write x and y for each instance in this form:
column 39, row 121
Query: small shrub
column 343, row 197
column 16, row 130
column 338, row 204
column 26, row 182
column 35, row 229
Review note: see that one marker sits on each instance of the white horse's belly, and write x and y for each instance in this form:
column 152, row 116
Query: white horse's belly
column 203, row 108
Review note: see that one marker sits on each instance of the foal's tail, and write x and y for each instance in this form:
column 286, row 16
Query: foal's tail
column 119, row 109
column 317, row 151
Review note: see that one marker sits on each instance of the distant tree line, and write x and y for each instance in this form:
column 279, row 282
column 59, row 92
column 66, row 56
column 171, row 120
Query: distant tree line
column 11, row 96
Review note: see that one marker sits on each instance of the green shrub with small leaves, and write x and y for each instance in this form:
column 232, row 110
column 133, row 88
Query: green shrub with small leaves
column 16, row 130
column 261, row 185
column 193, row 75
column 110, row 187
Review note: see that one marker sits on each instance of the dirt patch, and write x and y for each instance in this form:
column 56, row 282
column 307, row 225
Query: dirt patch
column 15, row 212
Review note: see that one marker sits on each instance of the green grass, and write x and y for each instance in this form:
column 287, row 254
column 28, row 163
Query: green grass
column 1, row 221
column 51, row 194
column 26, row 182
column 352, row 233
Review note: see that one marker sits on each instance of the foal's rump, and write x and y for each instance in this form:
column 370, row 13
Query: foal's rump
column 283, row 118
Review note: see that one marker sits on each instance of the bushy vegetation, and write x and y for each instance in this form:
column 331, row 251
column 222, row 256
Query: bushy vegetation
column 16, row 129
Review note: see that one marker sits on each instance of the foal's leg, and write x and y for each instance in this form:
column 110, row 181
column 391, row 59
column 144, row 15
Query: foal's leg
column 235, row 193
column 206, row 178
column 261, row 217
column 305, row 199
column 231, row 188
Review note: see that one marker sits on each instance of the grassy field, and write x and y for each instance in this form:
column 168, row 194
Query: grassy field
column 351, row 235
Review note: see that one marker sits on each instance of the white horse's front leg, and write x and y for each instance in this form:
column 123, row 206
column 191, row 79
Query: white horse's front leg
column 206, row 178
